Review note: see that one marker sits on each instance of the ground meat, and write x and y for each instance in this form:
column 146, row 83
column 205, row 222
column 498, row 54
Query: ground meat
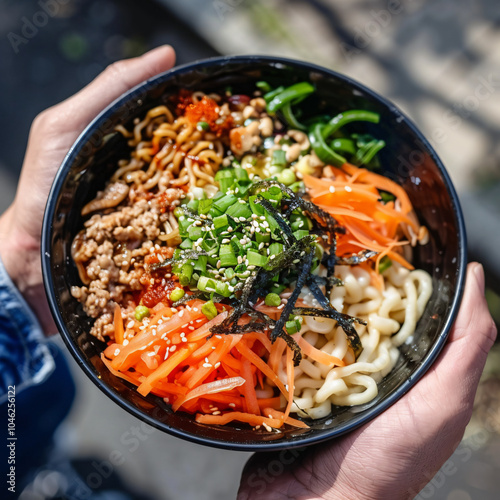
column 110, row 253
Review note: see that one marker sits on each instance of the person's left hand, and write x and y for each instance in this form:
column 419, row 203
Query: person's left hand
column 52, row 134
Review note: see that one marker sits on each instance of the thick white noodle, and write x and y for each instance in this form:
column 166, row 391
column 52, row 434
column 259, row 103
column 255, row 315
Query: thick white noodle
column 391, row 318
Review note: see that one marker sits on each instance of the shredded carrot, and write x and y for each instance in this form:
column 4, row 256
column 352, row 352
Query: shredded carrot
column 118, row 321
column 316, row 354
column 272, row 413
column 353, row 198
column 248, row 418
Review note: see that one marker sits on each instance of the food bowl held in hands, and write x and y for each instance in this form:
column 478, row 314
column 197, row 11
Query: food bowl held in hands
column 407, row 159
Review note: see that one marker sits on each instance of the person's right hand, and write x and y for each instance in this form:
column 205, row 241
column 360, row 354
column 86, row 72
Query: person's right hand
column 52, row 134
column 396, row 454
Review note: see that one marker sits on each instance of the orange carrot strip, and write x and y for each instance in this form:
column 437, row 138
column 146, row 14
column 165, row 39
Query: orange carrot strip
column 248, row 418
column 252, row 406
column 269, row 403
column 118, row 321
column 316, row 354
column 202, row 373
column 204, row 330
column 272, row 413
column 166, row 368
column 290, row 376
column 261, row 365
column 383, row 183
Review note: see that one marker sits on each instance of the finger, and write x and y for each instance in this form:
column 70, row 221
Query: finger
column 454, row 377
column 109, row 85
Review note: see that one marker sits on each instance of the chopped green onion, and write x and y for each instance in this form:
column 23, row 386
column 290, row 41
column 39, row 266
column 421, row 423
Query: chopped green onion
column 301, row 233
column 279, row 158
column 201, row 263
column 203, row 126
column 256, row 259
column 176, row 294
column 272, row 300
column 293, row 326
column 193, row 205
column 194, row 232
column 239, row 210
column 186, row 244
column 204, row 206
column 385, row 263
column 220, row 223
column 275, row 248
column 225, row 202
column 186, row 274
column 386, row 197
column 209, row 310
column 141, row 312
column 227, row 256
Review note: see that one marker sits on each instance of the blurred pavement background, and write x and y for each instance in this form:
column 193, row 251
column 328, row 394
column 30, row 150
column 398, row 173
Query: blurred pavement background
column 438, row 60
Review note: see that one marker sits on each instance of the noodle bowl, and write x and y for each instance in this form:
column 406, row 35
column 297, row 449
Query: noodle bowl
column 419, row 349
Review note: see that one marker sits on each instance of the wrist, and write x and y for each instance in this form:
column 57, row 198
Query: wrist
column 20, row 254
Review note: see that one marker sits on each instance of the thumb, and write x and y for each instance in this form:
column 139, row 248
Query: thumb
column 55, row 130
column 110, row 84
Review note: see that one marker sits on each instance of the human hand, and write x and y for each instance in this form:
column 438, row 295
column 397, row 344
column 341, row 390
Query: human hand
column 396, row 454
column 52, row 134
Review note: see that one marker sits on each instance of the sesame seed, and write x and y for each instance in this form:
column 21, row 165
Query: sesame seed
column 130, row 324
column 216, row 413
column 218, row 336
column 281, row 306
column 173, row 348
column 125, row 342
column 151, row 354
column 348, row 189
column 272, row 257
column 213, row 347
column 267, row 427
column 195, row 309
column 332, row 189
column 117, row 351
column 217, row 364
column 191, row 328
column 232, row 405
column 207, row 365
column 181, row 314
column 184, row 339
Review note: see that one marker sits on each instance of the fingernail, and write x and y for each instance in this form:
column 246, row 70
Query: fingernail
column 479, row 273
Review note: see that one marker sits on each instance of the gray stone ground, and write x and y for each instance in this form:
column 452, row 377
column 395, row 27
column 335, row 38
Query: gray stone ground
column 438, row 60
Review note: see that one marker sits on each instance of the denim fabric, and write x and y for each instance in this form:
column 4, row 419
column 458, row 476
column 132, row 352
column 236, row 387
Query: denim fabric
column 25, row 358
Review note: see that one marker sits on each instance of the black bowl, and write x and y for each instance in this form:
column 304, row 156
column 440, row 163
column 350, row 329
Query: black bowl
column 408, row 159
